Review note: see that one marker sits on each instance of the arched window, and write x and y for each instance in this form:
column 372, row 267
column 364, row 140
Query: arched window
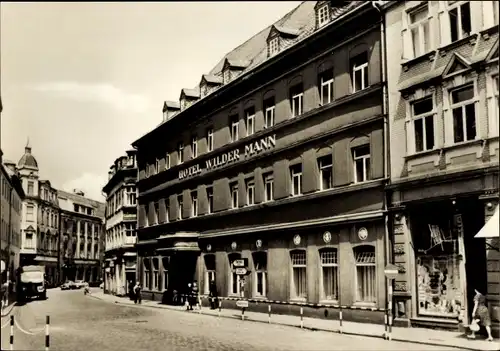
column 329, row 274
column 296, row 96
column 234, row 279
column 269, row 106
column 358, row 62
column 260, row 264
column 209, row 271
column 366, row 279
column 299, row 275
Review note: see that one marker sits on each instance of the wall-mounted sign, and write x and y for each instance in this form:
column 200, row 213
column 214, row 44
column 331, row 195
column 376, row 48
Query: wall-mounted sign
column 362, row 233
column 233, row 245
column 234, row 155
column 209, row 247
column 258, row 243
column 296, row 239
column 327, row 237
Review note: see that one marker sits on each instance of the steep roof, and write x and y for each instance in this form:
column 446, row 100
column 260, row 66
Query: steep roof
column 27, row 160
column 82, row 200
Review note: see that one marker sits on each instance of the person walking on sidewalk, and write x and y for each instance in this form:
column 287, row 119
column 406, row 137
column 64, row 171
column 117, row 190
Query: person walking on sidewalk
column 212, row 293
column 189, row 297
column 480, row 313
column 195, row 292
column 137, row 293
column 131, row 290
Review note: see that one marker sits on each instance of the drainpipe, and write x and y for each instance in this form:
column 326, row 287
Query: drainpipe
column 9, row 237
column 385, row 97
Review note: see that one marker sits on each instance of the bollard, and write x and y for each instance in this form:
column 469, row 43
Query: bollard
column 385, row 325
column 11, row 341
column 340, row 319
column 243, row 313
column 269, row 313
column 301, row 317
column 47, row 336
column 220, row 306
column 390, row 327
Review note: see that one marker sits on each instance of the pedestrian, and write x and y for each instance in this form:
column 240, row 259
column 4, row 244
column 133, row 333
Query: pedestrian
column 131, row 290
column 195, row 293
column 137, row 293
column 481, row 314
column 212, row 293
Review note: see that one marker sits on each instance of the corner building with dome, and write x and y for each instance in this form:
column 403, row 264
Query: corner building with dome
column 277, row 156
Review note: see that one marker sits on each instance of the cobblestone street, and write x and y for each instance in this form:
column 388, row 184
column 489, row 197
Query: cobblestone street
column 83, row 323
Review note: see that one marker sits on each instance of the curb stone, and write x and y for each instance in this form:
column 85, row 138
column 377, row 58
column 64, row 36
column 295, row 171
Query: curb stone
column 381, row 336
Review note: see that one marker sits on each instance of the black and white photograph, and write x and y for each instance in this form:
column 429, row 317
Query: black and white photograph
column 249, row 175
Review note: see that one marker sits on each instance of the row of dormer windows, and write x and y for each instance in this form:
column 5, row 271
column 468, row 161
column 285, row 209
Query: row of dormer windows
column 359, row 65
column 361, row 173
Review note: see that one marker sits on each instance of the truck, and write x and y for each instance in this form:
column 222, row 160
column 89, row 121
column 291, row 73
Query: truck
column 32, row 283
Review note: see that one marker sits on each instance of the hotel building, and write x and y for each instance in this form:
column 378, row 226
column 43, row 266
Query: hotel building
column 277, row 156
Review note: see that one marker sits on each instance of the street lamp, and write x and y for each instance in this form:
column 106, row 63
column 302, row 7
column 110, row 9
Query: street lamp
column 391, row 271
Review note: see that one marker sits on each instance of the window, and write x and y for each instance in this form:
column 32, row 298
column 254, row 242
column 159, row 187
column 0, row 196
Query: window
column 495, row 93
column 260, row 263
column 269, row 107
column 323, row 15
column 361, row 157
column 210, row 139
column 209, row 271
column 326, row 87
column 29, row 213
column 299, row 278
column 194, row 204
column 31, row 187
column 330, row 274
column 296, row 100
column 180, row 153
column 29, row 244
column 157, row 212
column 234, row 194
column 210, row 199
column 179, row 206
column 423, row 123
column 165, row 262
column 167, row 212
column 420, row 30
column 131, row 196
column 250, row 119
column 325, row 172
column 234, row 281
column 464, row 113
column 167, row 161
column 235, row 129
column 156, row 274
column 365, row 274
column 147, row 273
column 460, row 20
column 359, row 67
column 194, row 147
column 296, row 175
column 268, row 187
column 273, row 46
column 250, row 186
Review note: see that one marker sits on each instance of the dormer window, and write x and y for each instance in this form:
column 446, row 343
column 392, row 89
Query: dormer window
column 274, row 47
column 323, row 15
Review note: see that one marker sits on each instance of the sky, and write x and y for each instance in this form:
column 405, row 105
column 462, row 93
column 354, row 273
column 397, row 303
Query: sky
column 82, row 81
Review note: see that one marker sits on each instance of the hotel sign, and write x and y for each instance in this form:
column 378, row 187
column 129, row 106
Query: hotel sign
column 232, row 156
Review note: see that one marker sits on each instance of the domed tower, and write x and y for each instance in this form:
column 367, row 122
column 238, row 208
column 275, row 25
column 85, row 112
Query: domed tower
column 28, row 173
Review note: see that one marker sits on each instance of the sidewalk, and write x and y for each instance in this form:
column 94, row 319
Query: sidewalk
column 415, row 335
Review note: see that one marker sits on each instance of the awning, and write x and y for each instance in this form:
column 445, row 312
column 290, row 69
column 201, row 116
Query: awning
column 490, row 229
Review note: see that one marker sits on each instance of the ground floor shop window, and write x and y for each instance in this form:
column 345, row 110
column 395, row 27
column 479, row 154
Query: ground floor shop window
column 260, row 263
column 165, row 263
column 438, row 270
column 234, row 286
column 156, row 273
column 366, row 279
column 329, row 272
column 299, row 277
column 209, row 272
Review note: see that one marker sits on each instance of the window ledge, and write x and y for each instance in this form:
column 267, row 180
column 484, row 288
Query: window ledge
column 422, row 153
column 298, row 300
column 329, row 302
column 464, row 144
column 365, row 304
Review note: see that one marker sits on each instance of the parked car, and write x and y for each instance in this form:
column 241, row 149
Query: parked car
column 69, row 285
column 81, row 284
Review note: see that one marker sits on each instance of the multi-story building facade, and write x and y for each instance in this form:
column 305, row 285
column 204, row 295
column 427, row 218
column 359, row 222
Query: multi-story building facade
column 11, row 197
column 278, row 156
column 48, row 216
column 82, row 222
column 442, row 73
column 120, row 255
